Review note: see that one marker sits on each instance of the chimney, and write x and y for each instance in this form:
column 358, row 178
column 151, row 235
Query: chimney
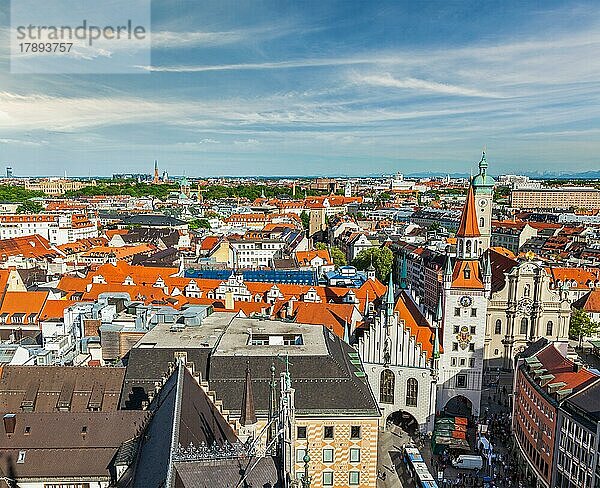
column 576, row 367
column 10, row 422
column 229, row 300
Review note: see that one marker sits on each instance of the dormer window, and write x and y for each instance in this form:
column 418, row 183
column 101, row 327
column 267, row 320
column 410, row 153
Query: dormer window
column 467, row 273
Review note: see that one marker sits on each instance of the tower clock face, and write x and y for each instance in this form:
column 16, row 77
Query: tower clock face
column 466, row 301
column 483, row 202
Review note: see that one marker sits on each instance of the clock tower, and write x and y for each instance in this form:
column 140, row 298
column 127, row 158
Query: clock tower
column 466, row 289
column 483, row 185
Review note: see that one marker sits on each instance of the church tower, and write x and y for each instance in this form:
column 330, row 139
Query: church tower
column 483, row 185
column 466, row 288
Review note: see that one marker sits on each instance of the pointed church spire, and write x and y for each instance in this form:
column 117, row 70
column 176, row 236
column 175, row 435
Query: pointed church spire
column 346, row 333
column 403, row 273
column 436, row 343
column 389, row 298
column 448, row 268
column 468, row 226
column 248, row 416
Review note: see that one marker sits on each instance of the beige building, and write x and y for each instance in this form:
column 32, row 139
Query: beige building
column 269, row 378
column 523, row 308
column 565, row 197
column 57, row 186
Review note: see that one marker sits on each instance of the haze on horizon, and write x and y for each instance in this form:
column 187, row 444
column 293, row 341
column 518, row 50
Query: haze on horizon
column 337, row 87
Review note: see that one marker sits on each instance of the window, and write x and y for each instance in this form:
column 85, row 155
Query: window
column 301, row 433
column 549, row 327
column 456, row 329
column 468, row 249
column 328, row 478
column 472, row 363
column 473, row 312
column 472, row 329
column 472, row 347
column 498, row 327
column 524, row 326
column 452, row 361
column 328, row 455
column 455, row 346
column 527, row 290
column 386, row 387
column 496, row 352
column 354, row 478
column 300, row 453
column 467, row 273
column 481, row 222
column 463, row 361
column 457, row 312
column 355, row 432
column 328, row 432
column 461, row 381
column 355, row 455
column 412, row 392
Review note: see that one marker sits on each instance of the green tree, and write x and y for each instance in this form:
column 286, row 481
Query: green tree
column 582, row 325
column 382, row 259
column 338, row 257
column 199, row 223
column 29, row 206
column 305, row 219
column 320, row 246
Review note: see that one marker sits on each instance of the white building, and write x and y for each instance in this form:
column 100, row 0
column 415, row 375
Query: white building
column 399, row 350
column 466, row 289
column 57, row 228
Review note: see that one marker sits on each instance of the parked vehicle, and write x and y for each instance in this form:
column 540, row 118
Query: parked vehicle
column 468, row 461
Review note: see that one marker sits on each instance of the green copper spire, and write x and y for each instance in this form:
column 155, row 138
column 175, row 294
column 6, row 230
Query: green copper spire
column 436, row 343
column 403, row 273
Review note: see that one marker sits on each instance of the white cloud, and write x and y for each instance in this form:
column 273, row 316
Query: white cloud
column 388, row 81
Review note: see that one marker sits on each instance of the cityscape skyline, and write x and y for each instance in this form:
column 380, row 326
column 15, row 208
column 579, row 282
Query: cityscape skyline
column 342, row 88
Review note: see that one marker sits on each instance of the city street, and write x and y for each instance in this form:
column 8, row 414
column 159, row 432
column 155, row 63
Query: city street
column 495, row 407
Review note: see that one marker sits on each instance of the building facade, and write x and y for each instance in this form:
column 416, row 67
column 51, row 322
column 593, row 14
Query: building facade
column 565, row 197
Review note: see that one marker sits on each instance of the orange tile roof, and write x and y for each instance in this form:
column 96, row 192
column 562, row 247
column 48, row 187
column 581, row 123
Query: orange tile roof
column 505, row 252
column 590, row 302
column 581, row 276
column 416, row 322
column 209, row 242
column 305, row 257
column 23, row 302
column 473, row 281
column 468, row 226
column 54, row 309
column 33, row 246
column 334, row 316
column 562, row 369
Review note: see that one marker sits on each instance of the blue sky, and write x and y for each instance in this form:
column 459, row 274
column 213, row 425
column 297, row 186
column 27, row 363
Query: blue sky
column 324, row 87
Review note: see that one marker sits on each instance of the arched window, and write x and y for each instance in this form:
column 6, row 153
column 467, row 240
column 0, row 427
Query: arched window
column 498, row 328
column 549, row 327
column 412, row 392
column 524, row 324
column 468, row 247
column 481, row 222
column 386, row 386
column 460, row 246
column 527, row 291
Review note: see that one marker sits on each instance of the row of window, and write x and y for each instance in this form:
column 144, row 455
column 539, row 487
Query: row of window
column 354, row 455
column 457, row 311
column 524, row 327
column 462, row 362
column 329, row 432
column 387, row 386
column 471, row 346
column 531, row 452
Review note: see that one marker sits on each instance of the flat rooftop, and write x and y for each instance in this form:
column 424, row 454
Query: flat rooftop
column 236, row 340
column 166, row 336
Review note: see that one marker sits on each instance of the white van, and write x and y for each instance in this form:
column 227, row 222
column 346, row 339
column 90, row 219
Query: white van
column 468, row 461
